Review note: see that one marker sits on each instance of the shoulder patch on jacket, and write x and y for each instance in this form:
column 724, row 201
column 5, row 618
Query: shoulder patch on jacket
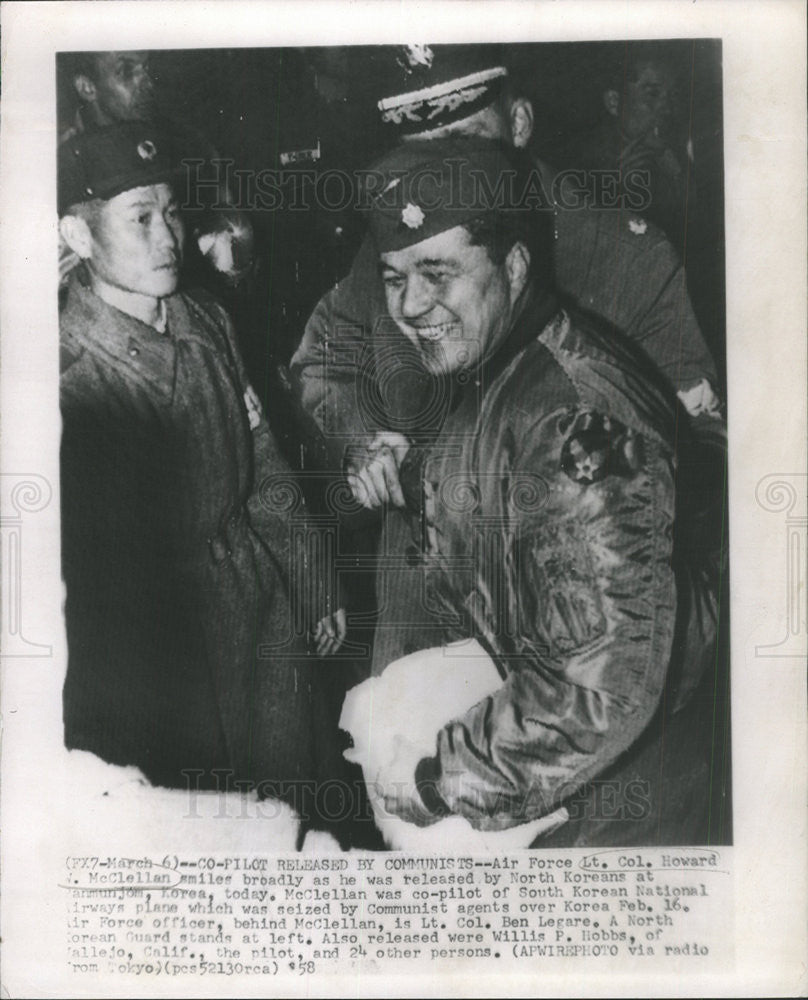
column 596, row 446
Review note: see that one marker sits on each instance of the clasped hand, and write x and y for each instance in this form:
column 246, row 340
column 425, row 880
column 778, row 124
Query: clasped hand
column 373, row 474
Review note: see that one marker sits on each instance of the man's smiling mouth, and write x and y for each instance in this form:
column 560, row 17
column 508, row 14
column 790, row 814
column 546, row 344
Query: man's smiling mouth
column 439, row 332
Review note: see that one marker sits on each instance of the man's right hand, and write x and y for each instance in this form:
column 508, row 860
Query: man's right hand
column 373, row 472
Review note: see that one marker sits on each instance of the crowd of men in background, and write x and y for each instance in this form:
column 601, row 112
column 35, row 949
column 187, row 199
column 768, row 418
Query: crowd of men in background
column 517, row 409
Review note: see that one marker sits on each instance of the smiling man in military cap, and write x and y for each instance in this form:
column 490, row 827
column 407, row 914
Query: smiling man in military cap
column 365, row 382
column 184, row 659
column 540, row 517
column 614, row 264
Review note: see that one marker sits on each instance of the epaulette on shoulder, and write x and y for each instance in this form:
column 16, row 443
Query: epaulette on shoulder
column 630, row 230
column 637, row 229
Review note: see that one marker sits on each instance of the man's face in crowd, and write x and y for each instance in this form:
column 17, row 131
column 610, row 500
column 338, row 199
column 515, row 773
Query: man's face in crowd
column 450, row 299
column 137, row 240
column 647, row 108
column 122, row 89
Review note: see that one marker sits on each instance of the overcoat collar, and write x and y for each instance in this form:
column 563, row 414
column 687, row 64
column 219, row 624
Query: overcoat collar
column 134, row 348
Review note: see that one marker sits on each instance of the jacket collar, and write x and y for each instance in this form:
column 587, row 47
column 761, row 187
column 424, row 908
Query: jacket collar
column 532, row 311
column 134, row 348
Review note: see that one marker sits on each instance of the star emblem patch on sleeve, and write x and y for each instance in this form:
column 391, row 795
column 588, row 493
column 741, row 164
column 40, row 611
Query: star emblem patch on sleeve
column 597, row 446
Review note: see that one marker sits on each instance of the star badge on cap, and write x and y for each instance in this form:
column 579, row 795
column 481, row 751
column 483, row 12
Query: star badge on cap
column 412, row 216
column 146, row 150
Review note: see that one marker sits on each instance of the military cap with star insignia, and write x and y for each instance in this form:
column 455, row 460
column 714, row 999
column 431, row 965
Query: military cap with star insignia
column 108, row 161
column 423, row 188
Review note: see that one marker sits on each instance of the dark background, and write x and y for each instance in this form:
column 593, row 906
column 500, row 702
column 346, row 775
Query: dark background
column 252, row 105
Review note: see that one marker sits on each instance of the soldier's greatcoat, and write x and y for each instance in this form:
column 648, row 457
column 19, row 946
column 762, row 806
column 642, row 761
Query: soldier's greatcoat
column 185, row 652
